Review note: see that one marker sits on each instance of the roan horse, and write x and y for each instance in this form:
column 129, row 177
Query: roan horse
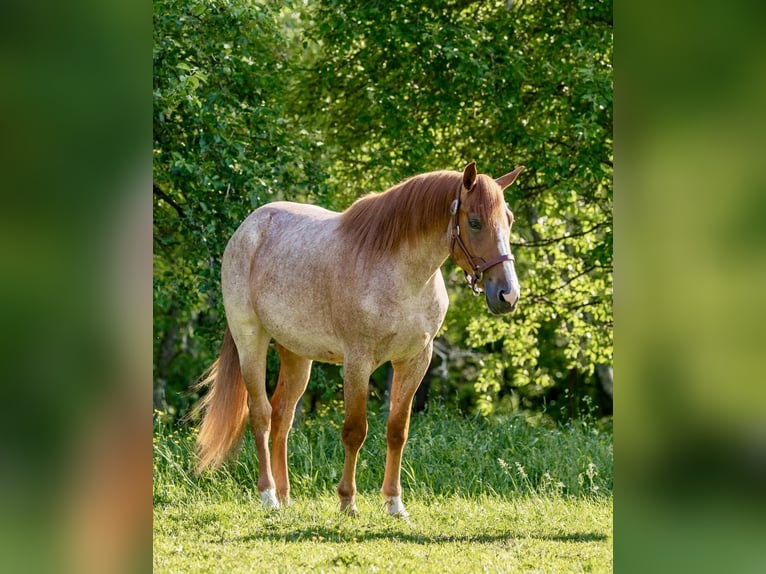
column 359, row 288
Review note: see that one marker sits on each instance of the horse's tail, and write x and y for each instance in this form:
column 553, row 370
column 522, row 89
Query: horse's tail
column 224, row 408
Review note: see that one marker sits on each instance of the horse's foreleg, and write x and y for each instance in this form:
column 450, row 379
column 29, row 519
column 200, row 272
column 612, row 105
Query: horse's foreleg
column 355, row 382
column 407, row 377
column 293, row 377
column 253, row 346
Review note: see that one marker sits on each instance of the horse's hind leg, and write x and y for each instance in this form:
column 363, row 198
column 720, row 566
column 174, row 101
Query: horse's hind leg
column 407, row 377
column 293, row 377
column 253, row 344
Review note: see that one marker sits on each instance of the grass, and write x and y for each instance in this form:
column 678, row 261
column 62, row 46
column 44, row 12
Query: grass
column 497, row 495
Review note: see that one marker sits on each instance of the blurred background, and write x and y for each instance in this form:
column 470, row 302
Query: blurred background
column 690, row 435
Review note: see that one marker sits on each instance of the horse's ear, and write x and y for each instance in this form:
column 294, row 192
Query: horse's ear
column 469, row 176
column 509, row 178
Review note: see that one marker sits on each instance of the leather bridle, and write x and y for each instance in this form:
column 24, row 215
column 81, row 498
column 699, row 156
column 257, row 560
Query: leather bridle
column 478, row 264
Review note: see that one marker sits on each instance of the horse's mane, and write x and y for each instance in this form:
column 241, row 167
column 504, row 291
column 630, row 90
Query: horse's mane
column 381, row 223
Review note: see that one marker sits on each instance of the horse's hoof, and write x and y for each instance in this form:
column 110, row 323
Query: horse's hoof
column 349, row 508
column 269, row 499
column 395, row 507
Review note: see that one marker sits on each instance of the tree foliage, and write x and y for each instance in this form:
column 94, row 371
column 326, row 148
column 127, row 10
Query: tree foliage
column 222, row 146
column 324, row 101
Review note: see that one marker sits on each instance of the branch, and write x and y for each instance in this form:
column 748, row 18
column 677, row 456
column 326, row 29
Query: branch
column 562, row 238
column 167, row 199
column 570, row 280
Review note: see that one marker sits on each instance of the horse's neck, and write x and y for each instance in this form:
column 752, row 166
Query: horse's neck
column 425, row 256
column 419, row 262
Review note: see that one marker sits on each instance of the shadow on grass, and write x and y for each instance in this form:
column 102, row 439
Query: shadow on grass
column 332, row 535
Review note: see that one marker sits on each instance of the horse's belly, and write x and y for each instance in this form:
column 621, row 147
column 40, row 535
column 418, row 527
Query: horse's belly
column 304, row 335
column 321, row 353
column 312, row 335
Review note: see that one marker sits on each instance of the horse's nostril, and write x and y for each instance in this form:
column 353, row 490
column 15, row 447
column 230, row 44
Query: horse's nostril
column 504, row 296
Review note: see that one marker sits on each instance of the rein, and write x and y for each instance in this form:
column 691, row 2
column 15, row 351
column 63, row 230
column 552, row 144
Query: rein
column 478, row 264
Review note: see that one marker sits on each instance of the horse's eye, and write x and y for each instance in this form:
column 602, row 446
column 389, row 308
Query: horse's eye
column 474, row 224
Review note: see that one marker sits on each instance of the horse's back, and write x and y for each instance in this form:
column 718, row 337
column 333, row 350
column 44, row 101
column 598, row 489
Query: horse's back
column 283, row 219
column 277, row 229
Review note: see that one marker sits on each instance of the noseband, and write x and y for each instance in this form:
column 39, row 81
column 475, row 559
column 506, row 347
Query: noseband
column 478, row 264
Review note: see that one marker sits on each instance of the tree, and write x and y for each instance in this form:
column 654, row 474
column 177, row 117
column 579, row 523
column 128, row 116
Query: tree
column 325, row 101
column 222, row 146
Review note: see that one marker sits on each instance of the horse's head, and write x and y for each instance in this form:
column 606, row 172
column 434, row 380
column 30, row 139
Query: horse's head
column 480, row 233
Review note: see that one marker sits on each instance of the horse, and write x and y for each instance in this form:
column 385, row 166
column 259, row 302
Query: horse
column 357, row 288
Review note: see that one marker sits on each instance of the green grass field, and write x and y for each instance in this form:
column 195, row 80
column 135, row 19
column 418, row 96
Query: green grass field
column 498, row 495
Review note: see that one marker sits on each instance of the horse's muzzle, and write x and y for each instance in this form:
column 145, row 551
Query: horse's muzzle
column 501, row 301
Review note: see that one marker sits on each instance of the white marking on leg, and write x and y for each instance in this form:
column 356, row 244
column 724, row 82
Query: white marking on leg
column 269, row 499
column 395, row 506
